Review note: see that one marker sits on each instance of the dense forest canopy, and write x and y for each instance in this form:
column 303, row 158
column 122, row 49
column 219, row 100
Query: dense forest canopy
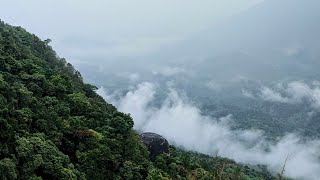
column 54, row 126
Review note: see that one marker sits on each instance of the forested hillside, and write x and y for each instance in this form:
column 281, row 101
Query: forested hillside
column 54, row 126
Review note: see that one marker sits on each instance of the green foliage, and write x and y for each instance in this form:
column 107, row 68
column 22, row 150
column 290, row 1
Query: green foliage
column 8, row 169
column 54, row 126
column 191, row 165
column 40, row 157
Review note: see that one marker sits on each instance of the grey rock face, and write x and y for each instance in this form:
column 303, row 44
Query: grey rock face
column 155, row 143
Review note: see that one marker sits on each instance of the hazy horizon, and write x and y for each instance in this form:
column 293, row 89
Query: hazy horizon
column 238, row 77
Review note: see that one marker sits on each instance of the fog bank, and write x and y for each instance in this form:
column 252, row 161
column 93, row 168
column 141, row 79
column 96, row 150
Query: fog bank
column 181, row 122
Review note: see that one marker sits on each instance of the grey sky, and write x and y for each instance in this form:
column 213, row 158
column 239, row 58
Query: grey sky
column 116, row 27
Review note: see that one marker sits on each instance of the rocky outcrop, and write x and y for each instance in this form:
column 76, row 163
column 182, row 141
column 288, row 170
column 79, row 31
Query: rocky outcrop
column 155, row 143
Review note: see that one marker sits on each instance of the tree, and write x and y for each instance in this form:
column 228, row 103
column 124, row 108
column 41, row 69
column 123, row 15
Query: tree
column 38, row 157
column 8, row 169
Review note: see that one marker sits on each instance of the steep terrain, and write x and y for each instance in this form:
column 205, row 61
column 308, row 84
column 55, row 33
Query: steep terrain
column 54, row 126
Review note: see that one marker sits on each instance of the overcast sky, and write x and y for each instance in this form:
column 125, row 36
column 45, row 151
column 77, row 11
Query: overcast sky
column 116, row 27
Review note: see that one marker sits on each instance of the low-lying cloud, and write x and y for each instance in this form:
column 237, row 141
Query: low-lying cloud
column 181, row 123
column 270, row 95
column 293, row 93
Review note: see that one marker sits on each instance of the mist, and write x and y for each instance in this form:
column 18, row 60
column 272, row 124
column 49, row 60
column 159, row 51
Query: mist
column 295, row 92
column 113, row 29
column 182, row 123
column 269, row 41
column 240, row 78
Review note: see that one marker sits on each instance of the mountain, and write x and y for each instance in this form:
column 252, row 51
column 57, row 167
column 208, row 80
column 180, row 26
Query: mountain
column 54, row 126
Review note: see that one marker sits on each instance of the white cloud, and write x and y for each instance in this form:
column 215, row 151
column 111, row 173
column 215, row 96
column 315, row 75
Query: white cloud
column 182, row 123
column 270, row 95
column 300, row 91
column 294, row 92
column 102, row 92
column 247, row 93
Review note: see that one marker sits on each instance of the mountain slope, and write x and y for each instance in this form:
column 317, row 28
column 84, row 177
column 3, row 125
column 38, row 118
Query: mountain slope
column 54, row 126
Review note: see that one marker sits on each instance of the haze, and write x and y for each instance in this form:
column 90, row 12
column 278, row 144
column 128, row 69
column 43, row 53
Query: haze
column 116, row 27
column 238, row 77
